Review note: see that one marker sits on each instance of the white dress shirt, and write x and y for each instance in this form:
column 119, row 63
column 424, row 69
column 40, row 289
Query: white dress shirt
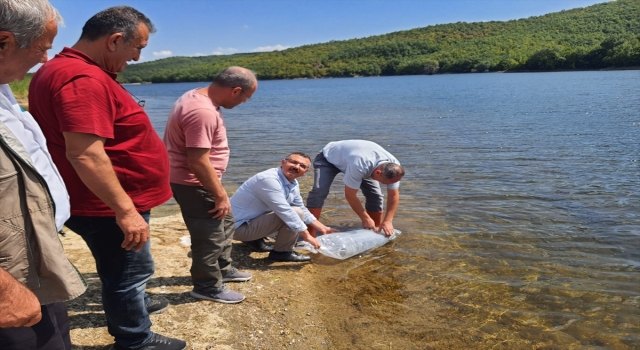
column 28, row 132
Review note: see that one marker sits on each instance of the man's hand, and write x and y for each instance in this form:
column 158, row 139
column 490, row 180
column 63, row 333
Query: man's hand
column 200, row 165
column 135, row 228
column 222, row 208
column 19, row 307
column 386, row 227
column 309, row 238
column 321, row 228
column 327, row 230
column 86, row 154
column 368, row 223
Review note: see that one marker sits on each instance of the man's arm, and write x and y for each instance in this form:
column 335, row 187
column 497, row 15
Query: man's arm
column 200, row 166
column 320, row 227
column 351, row 195
column 269, row 191
column 86, row 154
column 19, row 307
column 393, row 200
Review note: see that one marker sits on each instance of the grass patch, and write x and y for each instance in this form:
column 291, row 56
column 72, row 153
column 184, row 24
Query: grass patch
column 21, row 88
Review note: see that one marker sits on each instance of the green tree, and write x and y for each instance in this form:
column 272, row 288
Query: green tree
column 545, row 59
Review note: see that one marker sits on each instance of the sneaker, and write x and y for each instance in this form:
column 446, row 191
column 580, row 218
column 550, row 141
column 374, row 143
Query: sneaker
column 157, row 306
column 236, row 276
column 221, row 295
column 158, row 342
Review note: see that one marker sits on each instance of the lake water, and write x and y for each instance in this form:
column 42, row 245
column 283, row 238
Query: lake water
column 520, row 210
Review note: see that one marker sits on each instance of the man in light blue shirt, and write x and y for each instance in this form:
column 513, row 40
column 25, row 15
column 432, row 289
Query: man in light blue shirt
column 270, row 202
column 365, row 165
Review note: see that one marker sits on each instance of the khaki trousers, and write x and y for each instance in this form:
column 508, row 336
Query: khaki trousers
column 266, row 224
column 210, row 238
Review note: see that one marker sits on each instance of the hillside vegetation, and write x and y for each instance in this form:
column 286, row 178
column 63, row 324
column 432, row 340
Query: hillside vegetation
column 601, row 36
column 20, row 88
column 595, row 37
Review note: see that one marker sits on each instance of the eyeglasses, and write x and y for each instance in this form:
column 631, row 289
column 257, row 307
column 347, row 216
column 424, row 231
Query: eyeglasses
column 248, row 97
column 302, row 166
column 140, row 102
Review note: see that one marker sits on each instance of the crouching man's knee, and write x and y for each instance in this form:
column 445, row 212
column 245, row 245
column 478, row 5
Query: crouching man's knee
column 299, row 211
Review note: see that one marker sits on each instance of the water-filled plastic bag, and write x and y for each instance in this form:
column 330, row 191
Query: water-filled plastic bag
column 343, row 245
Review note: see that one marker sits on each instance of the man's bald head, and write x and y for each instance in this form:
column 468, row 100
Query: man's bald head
column 236, row 77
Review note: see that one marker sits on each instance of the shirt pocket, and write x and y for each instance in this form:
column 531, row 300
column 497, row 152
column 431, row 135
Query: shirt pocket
column 10, row 194
column 14, row 251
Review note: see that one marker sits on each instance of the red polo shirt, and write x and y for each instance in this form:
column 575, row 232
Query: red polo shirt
column 71, row 93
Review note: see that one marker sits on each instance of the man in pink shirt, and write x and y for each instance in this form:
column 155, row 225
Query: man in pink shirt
column 196, row 139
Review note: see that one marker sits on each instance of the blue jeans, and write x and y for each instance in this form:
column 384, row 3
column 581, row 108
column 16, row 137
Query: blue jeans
column 51, row 333
column 124, row 275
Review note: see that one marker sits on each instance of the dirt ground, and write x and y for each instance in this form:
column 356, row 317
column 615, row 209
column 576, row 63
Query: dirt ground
column 281, row 309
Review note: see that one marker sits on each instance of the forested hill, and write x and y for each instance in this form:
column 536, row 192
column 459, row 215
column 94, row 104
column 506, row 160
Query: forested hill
column 599, row 36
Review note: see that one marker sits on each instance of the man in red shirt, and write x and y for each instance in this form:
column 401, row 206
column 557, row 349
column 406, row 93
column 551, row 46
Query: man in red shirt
column 114, row 164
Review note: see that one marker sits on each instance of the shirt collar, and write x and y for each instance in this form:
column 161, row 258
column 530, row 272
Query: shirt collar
column 284, row 179
column 73, row 53
column 215, row 105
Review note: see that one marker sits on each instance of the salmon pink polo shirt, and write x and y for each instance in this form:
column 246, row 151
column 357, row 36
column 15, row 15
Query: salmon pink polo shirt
column 71, row 93
column 195, row 122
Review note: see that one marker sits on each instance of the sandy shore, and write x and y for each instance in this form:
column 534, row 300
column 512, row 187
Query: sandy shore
column 361, row 303
column 281, row 309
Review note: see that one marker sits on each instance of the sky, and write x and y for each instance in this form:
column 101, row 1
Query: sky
column 214, row 27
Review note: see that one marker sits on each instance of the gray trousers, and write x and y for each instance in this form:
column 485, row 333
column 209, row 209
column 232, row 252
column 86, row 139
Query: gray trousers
column 210, row 238
column 266, row 224
column 323, row 175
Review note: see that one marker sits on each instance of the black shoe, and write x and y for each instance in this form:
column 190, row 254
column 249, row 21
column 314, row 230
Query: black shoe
column 259, row 245
column 159, row 342
column 157, row 306
column 288, row 256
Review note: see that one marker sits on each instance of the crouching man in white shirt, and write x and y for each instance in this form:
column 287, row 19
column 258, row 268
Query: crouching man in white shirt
column 270, row 202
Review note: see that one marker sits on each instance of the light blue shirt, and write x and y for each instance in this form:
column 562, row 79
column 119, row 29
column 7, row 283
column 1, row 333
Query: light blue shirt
column 357, row 159
column 28, row 132
column 270, row 191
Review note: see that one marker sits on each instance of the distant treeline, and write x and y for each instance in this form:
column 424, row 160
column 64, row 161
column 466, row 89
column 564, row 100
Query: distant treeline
column 599, row 36
column 595, row 37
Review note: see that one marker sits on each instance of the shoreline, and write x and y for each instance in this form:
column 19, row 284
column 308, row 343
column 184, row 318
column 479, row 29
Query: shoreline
column 327, row 304
column 608, row 69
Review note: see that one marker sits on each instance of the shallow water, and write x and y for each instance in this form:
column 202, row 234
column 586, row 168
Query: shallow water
column 520, row 207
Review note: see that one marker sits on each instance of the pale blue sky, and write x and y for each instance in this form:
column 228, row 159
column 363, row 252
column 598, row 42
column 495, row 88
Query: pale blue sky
column 207, row 27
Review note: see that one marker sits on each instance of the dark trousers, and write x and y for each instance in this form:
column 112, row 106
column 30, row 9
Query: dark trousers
column 124, row 275
column 210, row 238
column 323, row 175
column 51, row 333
